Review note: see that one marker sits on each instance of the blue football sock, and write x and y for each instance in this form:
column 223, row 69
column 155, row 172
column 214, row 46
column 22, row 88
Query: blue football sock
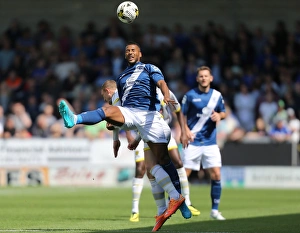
column 172, row 172
column 91, row 117
column 215, row 194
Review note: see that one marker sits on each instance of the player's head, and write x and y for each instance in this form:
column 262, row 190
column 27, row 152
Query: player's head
column 133, row 53
column 108, row 88
column 204, row 76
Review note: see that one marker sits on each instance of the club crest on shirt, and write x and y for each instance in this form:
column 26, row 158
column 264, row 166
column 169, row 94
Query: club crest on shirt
column 206, row 111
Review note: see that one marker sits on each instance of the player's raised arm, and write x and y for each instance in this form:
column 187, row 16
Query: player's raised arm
column 165, row 91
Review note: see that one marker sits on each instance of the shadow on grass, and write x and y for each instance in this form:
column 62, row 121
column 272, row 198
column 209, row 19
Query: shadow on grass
column 268, row 224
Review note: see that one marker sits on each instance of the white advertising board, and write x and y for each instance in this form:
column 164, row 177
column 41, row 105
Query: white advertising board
column 272, row 177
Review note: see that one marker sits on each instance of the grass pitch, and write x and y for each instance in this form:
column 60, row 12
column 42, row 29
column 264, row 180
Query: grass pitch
column 92, row 210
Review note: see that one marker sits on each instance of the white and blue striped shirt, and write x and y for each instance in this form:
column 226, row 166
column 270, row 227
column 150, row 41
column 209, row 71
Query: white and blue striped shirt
column 198, row 106
column 137, row 86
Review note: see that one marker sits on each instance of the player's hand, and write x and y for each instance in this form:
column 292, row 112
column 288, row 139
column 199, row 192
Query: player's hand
column 110, row 126
column 184, row 140
column 190, row 134
column 215, row 116
column 170, row 101
column 116, row 147
column 133, row 145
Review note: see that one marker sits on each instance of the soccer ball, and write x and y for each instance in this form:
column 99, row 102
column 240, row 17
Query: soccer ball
column 127, row 12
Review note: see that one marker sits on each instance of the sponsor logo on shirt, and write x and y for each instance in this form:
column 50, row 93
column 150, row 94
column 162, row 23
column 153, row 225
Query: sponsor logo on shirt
column 197, row 100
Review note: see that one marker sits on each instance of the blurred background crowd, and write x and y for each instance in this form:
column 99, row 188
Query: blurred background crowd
column 257, row 72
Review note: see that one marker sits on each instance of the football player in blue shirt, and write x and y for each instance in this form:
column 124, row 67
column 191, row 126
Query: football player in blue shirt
column 139, row 111
column 202, row 108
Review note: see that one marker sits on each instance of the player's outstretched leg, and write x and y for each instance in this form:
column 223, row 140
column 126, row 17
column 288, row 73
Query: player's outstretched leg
column 68, row 116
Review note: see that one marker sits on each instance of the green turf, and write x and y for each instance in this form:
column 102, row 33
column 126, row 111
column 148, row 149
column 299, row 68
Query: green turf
column 42, row 209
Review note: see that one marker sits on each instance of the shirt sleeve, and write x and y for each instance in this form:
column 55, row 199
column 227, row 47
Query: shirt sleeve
column 220, row 106
column 185, row 104
column 155, row 73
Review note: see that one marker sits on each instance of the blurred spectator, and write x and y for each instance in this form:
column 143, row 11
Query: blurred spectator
column 190, row 71
column 149, row 38
column 13, row 81
column 14, row 31
column 49, row 45
column 90, row 47
column 244, row 103
column 9, row 128
column 294, row 125
column 216, row 69
column 259, row 41
column 2, row 121
column 43, row 31
column 249, row 77
column 48, row 112
column 180, row 37
column 19, row 66
column 114, row 40
column 82, row 89
column 7, row 55
column 32, row 107
column 117, row 62
column 39, row 71
column 174, row 69
column 267, row 109
column 76, row 49
column 4, row 96
column 65, row 66
column 259, row 132
column 279, row 132
column 281, row 112
column 102, row 60
column 25, row 42
column 41, row 127
column 90, row 31
column 56, row 130
column 103, row 76
column 65, row 40
column 21, row 118
column 229, row 129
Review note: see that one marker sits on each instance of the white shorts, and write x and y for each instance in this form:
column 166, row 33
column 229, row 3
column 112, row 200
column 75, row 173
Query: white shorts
column 149, row 124
column 209, row 156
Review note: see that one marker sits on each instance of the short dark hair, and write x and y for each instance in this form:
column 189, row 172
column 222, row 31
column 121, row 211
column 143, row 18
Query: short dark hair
column 133, row 43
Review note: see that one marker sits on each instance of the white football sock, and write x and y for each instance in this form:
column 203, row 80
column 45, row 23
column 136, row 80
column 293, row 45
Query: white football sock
column 163, row 179
column 137, row 187
column 185, row 190
column 159, row 196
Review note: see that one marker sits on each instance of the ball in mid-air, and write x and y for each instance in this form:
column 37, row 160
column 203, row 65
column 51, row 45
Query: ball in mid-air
column 127, row 12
